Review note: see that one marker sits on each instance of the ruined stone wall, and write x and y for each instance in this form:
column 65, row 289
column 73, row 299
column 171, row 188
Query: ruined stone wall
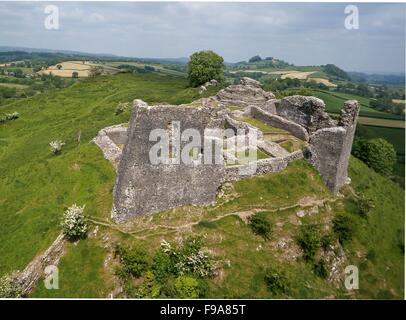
column 249, row 92
column 108, row 140
column 280, row 123
column 142, row 187
column 309, row 112
column 28, row 278
column 263, row 166
column 330, row 141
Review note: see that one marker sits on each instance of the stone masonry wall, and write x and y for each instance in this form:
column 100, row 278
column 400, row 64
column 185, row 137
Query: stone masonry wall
column 143, row 187
column 280, row 123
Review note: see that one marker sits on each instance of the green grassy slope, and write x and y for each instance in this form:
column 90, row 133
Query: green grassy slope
column 36, row 187
column 378, row 248
column 243, row 257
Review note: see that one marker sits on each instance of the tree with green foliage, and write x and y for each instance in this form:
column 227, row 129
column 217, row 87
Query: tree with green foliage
column 254, row 59
column 134, row 261
column 378, row 154
column 320, row 268
column 204, row 66
column 75, row 74
column 276, row 280
column 344, row 226
column 309, row 239
column 260, row 225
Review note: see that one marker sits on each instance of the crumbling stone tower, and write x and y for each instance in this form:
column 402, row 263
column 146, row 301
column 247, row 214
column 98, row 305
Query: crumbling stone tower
column 330, row 148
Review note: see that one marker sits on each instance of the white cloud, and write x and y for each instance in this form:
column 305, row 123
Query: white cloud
column 307, row 33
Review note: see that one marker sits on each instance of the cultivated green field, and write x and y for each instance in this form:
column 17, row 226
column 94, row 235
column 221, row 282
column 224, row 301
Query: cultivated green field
column 377, row 122
column 334, row 103
column 36, row 187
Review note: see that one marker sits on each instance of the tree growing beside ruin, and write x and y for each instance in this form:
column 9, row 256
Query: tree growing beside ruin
column 204, row 66
column 378, row 154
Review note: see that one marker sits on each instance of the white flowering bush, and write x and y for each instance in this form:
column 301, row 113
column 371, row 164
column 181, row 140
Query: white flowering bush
column 190, row 258
column 12, row 116
column 74, row 222
column 122, row 106
column 10, row 286
column 56, row 146
column 9, row 117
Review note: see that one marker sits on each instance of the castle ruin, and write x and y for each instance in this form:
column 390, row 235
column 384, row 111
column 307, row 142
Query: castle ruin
column 295, row 127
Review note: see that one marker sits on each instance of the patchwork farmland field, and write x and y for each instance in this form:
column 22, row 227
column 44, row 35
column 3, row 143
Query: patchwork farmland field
column 293, row 74
column 326, row 82
column 81, row 67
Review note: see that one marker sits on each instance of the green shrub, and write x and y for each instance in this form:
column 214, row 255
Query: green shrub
column 9, row 117
column 400, row 240
column 10, row 286
column 378, row 154
column 309, row 239
column 56, row 146
column 344, row 227
column 12, row 116
column 189, row 258
column 327, row 240
column 371, row 255
column 260, row 225
column 364, row 205
column 134, row 261
column 162, row 266
column 320, row 268
column 149, row 289
column 187, row 287
column 174, row 271
column 168, row 287
column 122, row 107
column 276, row 280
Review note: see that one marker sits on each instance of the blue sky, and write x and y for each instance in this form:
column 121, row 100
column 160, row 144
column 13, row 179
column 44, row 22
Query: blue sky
column 299, row 33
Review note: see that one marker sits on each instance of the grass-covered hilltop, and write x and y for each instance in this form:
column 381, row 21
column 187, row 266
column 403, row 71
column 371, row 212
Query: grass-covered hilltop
column 279, row 235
